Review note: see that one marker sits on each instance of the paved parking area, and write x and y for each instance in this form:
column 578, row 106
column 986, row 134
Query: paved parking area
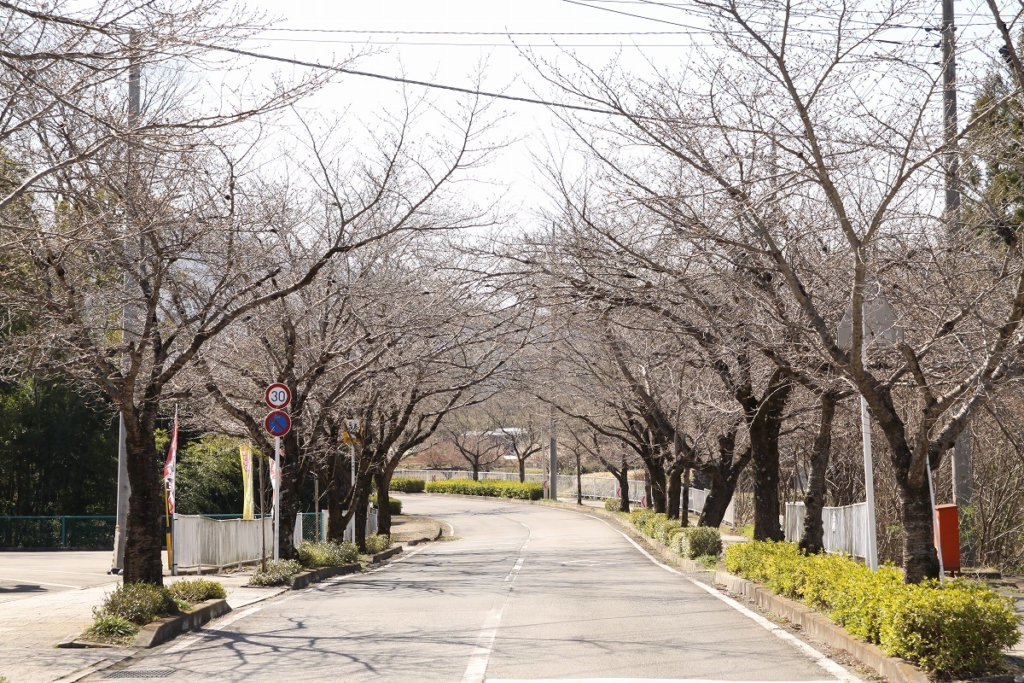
column 28, row 574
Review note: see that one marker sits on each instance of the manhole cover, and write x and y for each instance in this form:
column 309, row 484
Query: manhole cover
column 139, row 673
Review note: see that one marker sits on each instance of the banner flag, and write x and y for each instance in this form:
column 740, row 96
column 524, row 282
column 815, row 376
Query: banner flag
column 247, row 503
column 171, row 465
column 275, row 481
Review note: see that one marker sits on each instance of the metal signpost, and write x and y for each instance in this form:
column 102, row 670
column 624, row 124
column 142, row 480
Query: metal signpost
column 352, row 436
column 277, row 423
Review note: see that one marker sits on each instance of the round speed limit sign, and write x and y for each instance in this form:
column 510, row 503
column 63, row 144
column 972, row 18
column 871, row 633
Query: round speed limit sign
column 277, row 396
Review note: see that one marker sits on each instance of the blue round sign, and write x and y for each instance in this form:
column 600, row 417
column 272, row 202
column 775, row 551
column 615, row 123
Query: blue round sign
column 278, row 423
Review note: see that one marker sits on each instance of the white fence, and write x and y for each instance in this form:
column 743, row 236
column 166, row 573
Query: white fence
column 845, row 528
column 204, row 542
column 595, row 487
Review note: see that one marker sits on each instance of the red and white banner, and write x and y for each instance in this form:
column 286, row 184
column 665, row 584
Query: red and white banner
column 171, row 465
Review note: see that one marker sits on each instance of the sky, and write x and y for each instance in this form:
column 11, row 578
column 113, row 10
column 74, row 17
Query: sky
column 447, row 41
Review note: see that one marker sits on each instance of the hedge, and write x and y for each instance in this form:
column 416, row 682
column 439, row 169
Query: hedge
column 407, row 485
column 498, row 489
column 957, row 629
column 691, row 541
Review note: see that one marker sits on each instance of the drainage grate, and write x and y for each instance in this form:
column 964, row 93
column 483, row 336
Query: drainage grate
column 139, row 673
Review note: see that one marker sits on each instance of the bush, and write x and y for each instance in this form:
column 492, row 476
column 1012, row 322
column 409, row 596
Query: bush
column 277, row 573
column 498, row 489
column 407, row 485
column 960, row 628
column 709, row 561
column 109, row 628
column 377, row 543
column 613, row 505
column 197, row 590
column 327, row 554
column 702, row 540
column 139, row 603
column 394, row 504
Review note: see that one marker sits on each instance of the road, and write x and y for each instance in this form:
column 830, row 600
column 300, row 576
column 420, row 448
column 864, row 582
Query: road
column 523, row 593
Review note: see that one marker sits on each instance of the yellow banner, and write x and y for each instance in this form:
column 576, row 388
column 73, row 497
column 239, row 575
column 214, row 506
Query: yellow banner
column 246, row 453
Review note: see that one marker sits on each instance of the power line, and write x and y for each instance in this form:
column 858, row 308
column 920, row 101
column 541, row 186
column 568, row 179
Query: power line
column 409, row 81
column 481, row 33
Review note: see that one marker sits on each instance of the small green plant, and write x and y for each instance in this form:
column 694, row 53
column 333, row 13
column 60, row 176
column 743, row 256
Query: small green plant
column 613, row 504
column 377, row 543
column 277, row 573
column 709, row 561
column 327, row 554
column 139, row 603
column 394, row 504
column 498, row 489
column 702, row 540
column 407, row 485
column 197, row 590
column 109, row 629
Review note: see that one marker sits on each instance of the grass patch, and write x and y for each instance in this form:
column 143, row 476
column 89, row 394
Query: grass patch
column 709, row 561
column 192, row 591
column 139, row 603
column 111, row 629
column 327, row 554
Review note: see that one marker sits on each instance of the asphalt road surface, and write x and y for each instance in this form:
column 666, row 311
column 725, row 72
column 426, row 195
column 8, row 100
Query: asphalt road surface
column 523, row 593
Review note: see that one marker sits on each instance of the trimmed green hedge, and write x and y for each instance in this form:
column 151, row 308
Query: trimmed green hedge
column 498, row 489
column 960, row 628
column 690, row 541
column 407, row 485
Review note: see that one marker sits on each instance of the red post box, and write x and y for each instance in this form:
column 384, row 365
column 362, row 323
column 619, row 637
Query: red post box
column 948, row 532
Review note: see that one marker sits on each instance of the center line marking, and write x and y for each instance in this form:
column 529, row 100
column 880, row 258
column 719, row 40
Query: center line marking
column 477, row 667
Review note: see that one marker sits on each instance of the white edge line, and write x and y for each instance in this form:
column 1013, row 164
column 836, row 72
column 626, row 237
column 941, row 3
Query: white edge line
column 29, row 582
column 627, row 680
column 822, row 660
column 209, row 629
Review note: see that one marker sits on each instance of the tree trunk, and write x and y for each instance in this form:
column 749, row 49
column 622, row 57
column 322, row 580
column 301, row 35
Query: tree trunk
column 360, row 505
column 476, row 471
column 920, row 560
column 145, row 524
column 339, row 489
column 723, row 474
column 522, row 469
column 812, row 540
column 656, row 482
column 675, row 482
column 383, row 502
column 764, row 428
column 292, row 476
column 623, row 478
column 684, row 504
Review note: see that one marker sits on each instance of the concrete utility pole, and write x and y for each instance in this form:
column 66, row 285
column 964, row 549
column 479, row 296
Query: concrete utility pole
column 963, row 484
column 553, row 452
column 124, row 489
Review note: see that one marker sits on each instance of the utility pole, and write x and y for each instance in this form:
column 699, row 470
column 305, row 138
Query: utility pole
column 124, row 488
column 963, row 484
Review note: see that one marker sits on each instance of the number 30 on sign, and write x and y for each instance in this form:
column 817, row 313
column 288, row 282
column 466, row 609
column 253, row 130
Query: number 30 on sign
column 277, row 396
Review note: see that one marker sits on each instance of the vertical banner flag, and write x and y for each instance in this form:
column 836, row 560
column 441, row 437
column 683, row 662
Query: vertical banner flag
column 170, row 465
column 246, row 453
column 275, row 481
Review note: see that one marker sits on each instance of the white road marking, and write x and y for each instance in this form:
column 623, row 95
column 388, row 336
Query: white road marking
column 477, row 667
column 205, row 632
column 28, row 582
column 629, row 680
column 821, row 660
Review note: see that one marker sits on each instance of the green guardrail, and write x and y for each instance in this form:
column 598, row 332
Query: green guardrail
column 58, row 531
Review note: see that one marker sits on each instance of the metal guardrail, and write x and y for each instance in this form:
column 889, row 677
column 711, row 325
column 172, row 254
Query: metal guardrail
column 58, row 531
column 845, row 528
column 599, row 488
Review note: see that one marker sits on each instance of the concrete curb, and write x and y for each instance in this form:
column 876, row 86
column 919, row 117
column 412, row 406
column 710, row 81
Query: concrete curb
column 162, row 630
column 819, row 627
column 303, row 579
column 387, row 554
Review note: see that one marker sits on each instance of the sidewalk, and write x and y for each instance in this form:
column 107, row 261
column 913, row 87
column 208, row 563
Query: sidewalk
column 37, row 614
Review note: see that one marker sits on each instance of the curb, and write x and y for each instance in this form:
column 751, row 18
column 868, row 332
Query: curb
column 303, row 579
column 821, row 628
column 162, row 630
column 380, row 557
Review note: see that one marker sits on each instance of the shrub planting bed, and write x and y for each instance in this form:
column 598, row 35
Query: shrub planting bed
column 394, row 504
column 407, row 485
column 498, row 489
column 692, row 542
column 133, row 605
column 957, row 629
column 276, row 574
column 313, row 555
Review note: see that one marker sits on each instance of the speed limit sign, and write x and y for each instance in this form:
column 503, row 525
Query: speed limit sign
column 277, row 396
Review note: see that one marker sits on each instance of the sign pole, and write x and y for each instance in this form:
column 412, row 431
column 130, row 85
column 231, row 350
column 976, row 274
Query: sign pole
column 277, row 499
column 869, row 468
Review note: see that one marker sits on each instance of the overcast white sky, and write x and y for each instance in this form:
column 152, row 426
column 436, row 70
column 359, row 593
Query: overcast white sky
column 319, row 31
